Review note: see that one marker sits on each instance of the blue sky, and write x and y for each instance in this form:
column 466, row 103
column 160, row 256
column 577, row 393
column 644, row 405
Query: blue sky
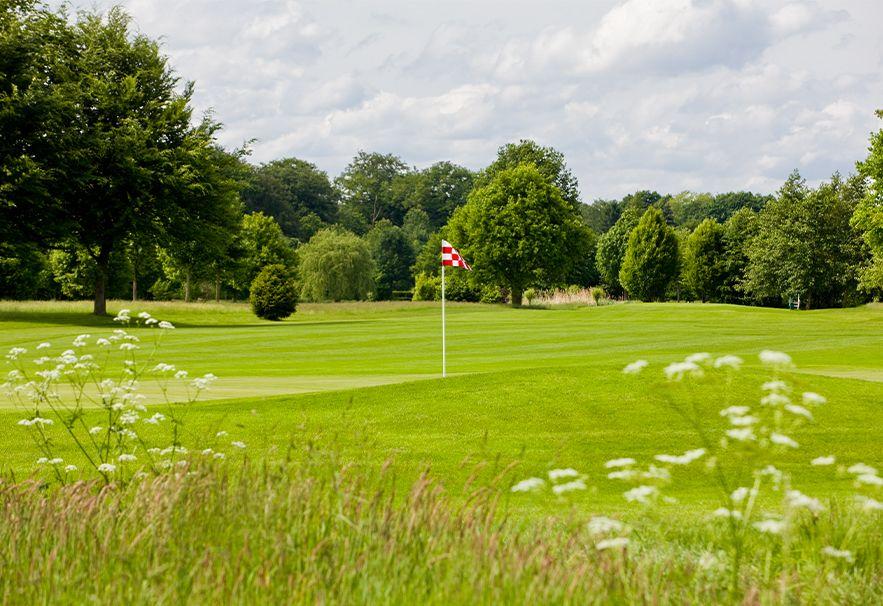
column 706, row 95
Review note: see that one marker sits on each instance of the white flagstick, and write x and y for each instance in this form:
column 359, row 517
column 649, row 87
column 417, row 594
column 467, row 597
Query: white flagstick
column 444, row 351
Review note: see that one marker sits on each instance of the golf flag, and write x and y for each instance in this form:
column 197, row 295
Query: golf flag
column 450, row 258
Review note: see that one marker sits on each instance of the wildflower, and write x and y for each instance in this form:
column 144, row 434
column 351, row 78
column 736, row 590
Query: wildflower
column 96, row 430
column 770, row 526
column 624, row 462
column 869, row 504
column 772, row 472
column 144, row 315
column 775, row 399
column 128, row 418
column 42, row 461
column 656, row 473
column 732, row 411
column 181, row 374
column 166, row 325
column 743, row 421
column 869, row 479
column 238, row 444
column 741, row 435
column 813, row 399
column 677, row 370
column 861, row 468
column 127, row 458
column 739, row 494
column 783, row 440
column 723, row 512
column 829, row 460
column 566, row 487
column 528, row 485
column 156, row 419
column 798, row 410
column 734, row 362
column 775, row 386
column 44, row 345
column 150, row 321
column 622, row 474
column 80, row 341
column 798, row 500
column 775, row 358
column 35, row 421
column 128, row 347
column 102, row 342
column 56, row 461
column 221, row 455
column 640, row 494
column 635, row 367
column 203, row 382
column 163, row 367
column 617, row 543
column 600, row 525
column 15, row 352
column 840, row 554
column 107, row 468
column 560, row 474
column 207, row 452
column 221, row 434
column 684, row 459
column 698, row 358
column 70, row 468
column 123, row 316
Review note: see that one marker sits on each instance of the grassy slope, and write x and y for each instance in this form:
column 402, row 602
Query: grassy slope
column 550, row 393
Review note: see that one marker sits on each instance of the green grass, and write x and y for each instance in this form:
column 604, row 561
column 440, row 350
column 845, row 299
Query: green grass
column 542, row 388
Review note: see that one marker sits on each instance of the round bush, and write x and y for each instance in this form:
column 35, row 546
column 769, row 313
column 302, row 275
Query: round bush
column 273, row 293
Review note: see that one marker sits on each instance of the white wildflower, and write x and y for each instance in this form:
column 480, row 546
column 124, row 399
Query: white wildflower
column 821, row 461
column 775, row 358
column 684, row 459
column 810, row 398
column 15, row 352
column 166, row 325
column 656, row 473
column 560, row 474
column 775, row 399
column 800, row 411
column 635, row 367
column 741, row 435
column 798, row 500
column 869, row 479
column 528, row 485
column 775, row 386
column 861, row 468
column 238, row 444
column 569, row 487
column 698, row 358
column 783, row 440
column 772, row 472
column 127, row 458
column 770, row 526
column 219, row 455
column 640, row 494
column 622, row 474
column 739, row 494
column 42, row 461
column 734, row 411
column 102, row 342
column 600, row 525
column 144, row 315
column 70, row 468
column 839, row 554
column 107, row 468
column 617, row 543
column 624, row 462
column 208, row 452
column 80, row 341
column 734, row 362
column 56, row 461
column 151, row 321
column 96, row 430
column 677, row 370
column 163, row 367
column 723, row 512
column 745, row 421
column 221, row 434
column 44, row 345
column 869, row 504
column 128, row 347
column 155, row 419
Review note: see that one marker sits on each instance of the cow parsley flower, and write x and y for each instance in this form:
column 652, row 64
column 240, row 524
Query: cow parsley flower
column 861, row 468
column 641, row 494
column 107, row 468
column 783, row 440
column 164, row 325
column 798, row 500
column 869, row 479
column 775, row 386
column 44, row 345
column 70, row 468
column 734, row 362
column 775, row 399
column 569, row 487
column 624, row 462
column 127, row 458
column 635, row 367
column 219, row 455
column 739, row 494
column 839, row 554
column 698, row 358
column 723, row 512
column 528, row 485
column 238, row 444
column 811, row 398
column 744, row 421
column 617, row 543
column 770, row 526
column 684, row 459
column 181, row 374
column 678, row 370
column 623, row 474
column 221, row 434
column 820, row 461
column 734, row 411
column 775, row 358
column 102, row 342
column 600, row 525
column 869, row 504
column 560, row 474
column 799, row 410
column 128, row 347
column 741, row 435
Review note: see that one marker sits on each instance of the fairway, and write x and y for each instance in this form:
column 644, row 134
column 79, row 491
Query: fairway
column 538, row 388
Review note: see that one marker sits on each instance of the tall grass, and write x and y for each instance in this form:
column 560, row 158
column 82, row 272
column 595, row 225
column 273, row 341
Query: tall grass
column 306, row 530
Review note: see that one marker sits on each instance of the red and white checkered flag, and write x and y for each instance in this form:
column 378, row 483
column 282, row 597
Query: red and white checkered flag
column 451, row 256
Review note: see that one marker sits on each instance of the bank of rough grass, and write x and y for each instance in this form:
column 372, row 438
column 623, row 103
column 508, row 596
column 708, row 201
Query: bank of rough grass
column 315, row 532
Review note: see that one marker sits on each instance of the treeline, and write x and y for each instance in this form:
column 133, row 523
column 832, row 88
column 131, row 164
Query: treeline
column 111, row 189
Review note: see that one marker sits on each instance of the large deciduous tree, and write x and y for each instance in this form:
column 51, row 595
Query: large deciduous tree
column 393, row 257
column 105, row 149
column 705, row 261
column 611, row 249
column 519, row 231
column 335, row 265
column 440, row 189
column 869, row 213
column 373, row 187
column 651, row 258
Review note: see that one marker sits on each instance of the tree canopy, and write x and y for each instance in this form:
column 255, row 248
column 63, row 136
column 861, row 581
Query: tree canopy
column 651, row 258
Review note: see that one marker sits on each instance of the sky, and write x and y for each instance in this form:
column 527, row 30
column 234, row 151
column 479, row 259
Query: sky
column 670, row 95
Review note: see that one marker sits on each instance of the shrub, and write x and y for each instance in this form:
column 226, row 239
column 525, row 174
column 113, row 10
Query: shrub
column 493, row 294
column 273, row 293
column 427, row 287
column 335, row 265
column 530, row 294
column 598, row 294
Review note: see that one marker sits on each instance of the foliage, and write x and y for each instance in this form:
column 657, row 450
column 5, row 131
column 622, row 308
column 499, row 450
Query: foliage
column 612, row 247
column 273, row 294
column 651, row 258
column 393, row 257
column 295, row 193
column 427, row 287
column 417, row 228
column 73, row 273
column 739, row 229
column 519, row 232
column 335, row 265
column 373, row 187
column 705, row 261
column 805, row 244
column 869, row 212
column 262, row 243
column 440, row 189
column 24, row 272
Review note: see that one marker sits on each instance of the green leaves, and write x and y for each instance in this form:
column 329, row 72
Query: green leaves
column 651, row 258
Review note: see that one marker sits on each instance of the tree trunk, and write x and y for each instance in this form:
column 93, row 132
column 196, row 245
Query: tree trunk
column 517, row 293
column 102, row 261
column 218, row 289
column 187, row 285
column 134, row 288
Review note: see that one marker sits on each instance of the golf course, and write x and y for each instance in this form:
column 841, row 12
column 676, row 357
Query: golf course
column 536, row 389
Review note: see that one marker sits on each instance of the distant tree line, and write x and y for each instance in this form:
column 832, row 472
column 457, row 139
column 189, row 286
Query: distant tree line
column 112, row 189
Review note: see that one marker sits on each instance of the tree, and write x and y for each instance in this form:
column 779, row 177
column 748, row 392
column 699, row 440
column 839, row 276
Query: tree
column 115, row 143
column 689, row 209
column 273, row 294
column 262, row 243
column 705, row 261
column 611, row 249
column 335, row 265
column 651, row 258
column 724, row 206
column 806, row 246
column 440, row 190
column 739, row 229
column 417, row 227
column 295, row 193
column 372, row 187
column 549, row 162
column 601, row 215
column 869, row 212
column 519, row 231
column 393, row 257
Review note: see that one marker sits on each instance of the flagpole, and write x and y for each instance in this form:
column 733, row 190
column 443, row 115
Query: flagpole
column 444, row 350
